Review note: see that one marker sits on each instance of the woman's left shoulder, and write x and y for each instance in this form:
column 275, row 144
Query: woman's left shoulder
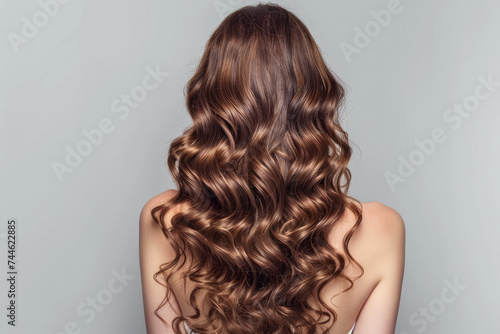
column 161, row 198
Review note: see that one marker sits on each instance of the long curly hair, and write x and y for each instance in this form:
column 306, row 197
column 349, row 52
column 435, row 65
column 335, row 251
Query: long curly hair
column 263, row 169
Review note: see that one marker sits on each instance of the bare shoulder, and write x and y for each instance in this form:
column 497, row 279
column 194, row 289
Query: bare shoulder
column 160, row 199
column 382, row 221
column 383, row 234
column 155, row 250
column 157, row 200
column 379, row 241
column 381, row 248
column 379, row 222
column 149, row 228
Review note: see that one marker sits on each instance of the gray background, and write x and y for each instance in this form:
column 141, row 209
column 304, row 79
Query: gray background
column 79, row 230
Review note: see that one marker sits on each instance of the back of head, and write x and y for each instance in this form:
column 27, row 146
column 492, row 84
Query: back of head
column 264, row 170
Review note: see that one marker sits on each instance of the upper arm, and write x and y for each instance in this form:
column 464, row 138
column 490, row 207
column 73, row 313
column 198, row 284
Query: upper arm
column 154, row 250
column 379, row 313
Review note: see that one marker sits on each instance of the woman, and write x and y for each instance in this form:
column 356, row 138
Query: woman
column 261, row 236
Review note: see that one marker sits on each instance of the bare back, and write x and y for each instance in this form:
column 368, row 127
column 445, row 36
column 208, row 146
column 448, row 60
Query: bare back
column 378, row 246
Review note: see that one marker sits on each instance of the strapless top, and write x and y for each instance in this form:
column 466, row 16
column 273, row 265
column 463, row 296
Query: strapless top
column 189, row 331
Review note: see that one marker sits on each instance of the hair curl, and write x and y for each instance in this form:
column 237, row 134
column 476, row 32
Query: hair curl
column 262, row 169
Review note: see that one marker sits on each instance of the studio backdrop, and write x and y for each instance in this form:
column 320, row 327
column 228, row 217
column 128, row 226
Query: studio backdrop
column 91, row 95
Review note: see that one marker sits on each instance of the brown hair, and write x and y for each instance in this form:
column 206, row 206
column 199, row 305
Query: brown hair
column 264, row 170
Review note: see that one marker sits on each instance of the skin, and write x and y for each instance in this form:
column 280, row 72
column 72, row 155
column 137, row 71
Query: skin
column 373, row 302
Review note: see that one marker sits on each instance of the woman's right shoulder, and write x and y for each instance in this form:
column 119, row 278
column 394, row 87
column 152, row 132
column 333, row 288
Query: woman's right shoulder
column 380, row 232
column 380, row 246
column 382, row 235
column 382, row 220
